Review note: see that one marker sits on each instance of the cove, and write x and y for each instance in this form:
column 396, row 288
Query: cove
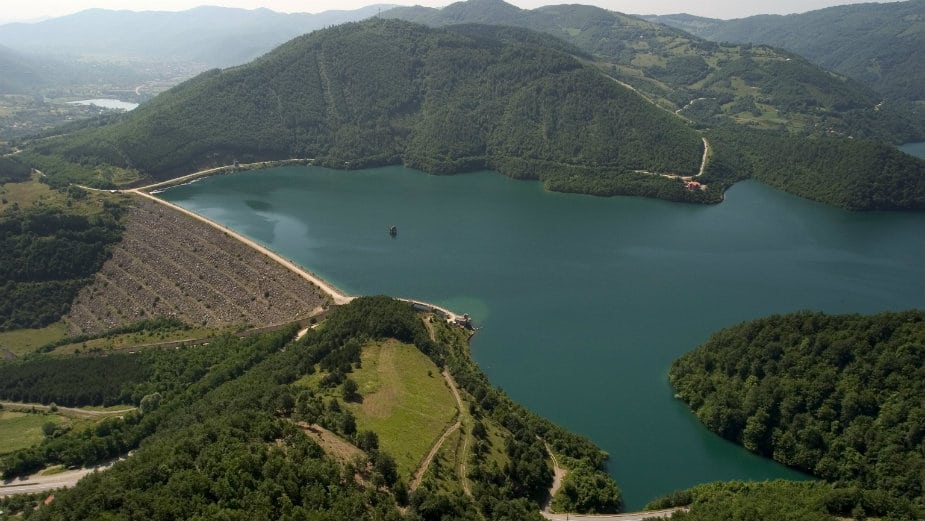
column 583, row 302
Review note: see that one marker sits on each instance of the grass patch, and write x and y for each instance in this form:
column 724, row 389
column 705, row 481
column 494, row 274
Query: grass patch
column 140, row 338
column 405, row 401
column 29, row 193
column 20, row 430
column 22, row 341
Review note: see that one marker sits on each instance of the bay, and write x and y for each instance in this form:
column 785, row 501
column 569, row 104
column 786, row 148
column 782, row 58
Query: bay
column 915, row 149
column 583, row 302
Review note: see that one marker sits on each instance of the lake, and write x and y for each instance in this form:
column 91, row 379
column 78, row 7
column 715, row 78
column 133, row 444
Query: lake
column 107, row 104
column 583, row 302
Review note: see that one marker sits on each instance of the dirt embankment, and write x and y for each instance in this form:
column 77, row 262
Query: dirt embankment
column 169, row 264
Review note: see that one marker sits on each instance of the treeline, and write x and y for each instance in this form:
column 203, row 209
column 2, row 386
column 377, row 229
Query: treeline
column 851, row 174
column 174, row 380
column 46, row 256
column 13, row 170
column 784, row 501
column 72, row 381
column 838, row 396
column 387, row 92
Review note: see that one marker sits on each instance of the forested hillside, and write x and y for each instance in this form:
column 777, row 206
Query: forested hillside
column 878, row 44
column 470, row 97
column 702, row 80
column 851, row 174
column 386, row 92
column 217, row 434
column 838, row 396
column 785, row 501
column 46, row 256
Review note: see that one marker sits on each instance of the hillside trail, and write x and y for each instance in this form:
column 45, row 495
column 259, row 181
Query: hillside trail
column 422, row 469
column 73, row 411
column 559, row 474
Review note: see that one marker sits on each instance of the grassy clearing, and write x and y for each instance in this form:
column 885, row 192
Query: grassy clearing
column 405, row 401
column 139, row 339
column 27, row 194
column 22, row 341
column 35, row 193
column 20, row 430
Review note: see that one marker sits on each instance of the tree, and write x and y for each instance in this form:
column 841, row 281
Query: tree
column 350, row 390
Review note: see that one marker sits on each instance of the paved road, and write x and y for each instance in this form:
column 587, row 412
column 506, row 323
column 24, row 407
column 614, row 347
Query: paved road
column 37, row 483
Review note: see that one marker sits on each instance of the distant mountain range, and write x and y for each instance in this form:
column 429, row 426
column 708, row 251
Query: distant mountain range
column 211, row 36
column 881, row 45
column 707, row 82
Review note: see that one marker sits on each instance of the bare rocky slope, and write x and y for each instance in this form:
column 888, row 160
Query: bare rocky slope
column 171, row 265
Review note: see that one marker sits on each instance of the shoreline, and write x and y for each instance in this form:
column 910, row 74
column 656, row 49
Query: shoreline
column 337, row 296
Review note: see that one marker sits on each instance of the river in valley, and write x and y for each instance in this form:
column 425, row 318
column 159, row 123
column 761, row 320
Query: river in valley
column 583, row 302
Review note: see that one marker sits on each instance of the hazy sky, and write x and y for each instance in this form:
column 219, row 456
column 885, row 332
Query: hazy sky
column 28, row 10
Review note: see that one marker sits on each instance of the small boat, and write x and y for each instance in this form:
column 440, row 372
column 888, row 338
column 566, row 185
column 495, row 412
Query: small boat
column 393, row 231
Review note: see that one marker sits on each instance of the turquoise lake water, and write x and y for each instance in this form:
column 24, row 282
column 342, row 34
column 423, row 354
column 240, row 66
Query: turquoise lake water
column 583, row 302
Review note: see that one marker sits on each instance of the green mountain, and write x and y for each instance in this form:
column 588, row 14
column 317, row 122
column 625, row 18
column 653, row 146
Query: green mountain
column 707, row 82
column 386, row 92
column 463, row 98
column 878, row 44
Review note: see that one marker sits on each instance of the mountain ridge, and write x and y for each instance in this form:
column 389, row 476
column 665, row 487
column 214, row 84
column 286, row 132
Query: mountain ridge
column 877, row 44
column 704, row 81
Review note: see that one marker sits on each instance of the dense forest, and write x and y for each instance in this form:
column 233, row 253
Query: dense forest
column 46, row 256
column 385, row 92
column 838, row 396
column 12, row 170
column 214, row 436
column 705, row 81
column 878, row 43
column 851, row 174
column 784, row 501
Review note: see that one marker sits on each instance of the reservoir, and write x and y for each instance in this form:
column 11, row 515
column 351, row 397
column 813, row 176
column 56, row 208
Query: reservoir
column 583, row 302
column 107, row 104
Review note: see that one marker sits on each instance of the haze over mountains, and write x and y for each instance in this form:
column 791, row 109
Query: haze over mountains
column 211, row 36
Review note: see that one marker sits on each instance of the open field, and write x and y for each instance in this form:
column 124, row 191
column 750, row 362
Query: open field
column 169, row 264
column 22, row 341
column 19, row 430
column 405, row 401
